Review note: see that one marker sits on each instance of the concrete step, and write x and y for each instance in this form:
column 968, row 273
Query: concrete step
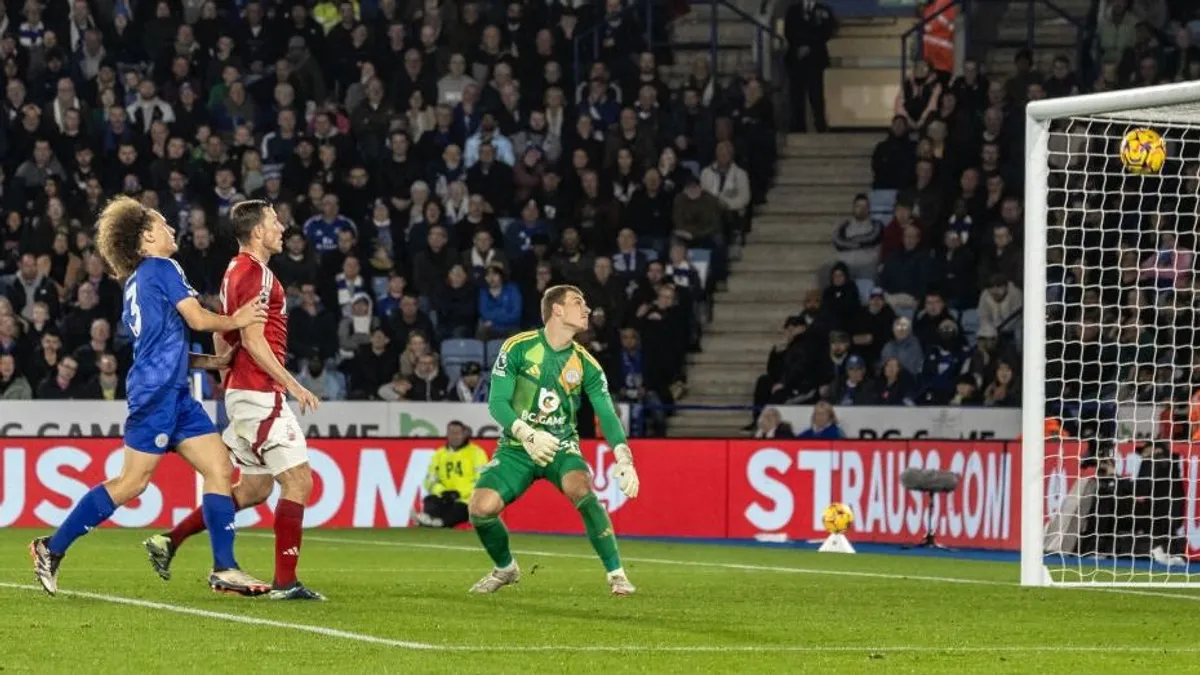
column 726, row 344
column 707, row 423
column 744, row 359
column 754, row 296
column 814, row 202
column 1042, row 32
column 763, row 316
column 729, row 61
column 733, row 32
column 849, row 143
column 782, row 284
column 769, row 258
column 703, row 380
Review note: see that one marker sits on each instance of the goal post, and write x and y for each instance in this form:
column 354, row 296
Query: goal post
column 1092, row 234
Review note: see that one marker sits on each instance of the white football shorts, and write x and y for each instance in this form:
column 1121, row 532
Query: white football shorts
column 263, row 435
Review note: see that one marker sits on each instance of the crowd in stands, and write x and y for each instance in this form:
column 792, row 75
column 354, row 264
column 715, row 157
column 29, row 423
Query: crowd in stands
column 924, row 305
column 438, row 164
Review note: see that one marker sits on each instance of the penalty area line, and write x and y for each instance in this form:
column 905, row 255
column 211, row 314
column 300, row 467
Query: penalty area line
column 232, row 618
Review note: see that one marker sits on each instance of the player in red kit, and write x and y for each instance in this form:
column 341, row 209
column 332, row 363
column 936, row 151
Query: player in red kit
column 263, row 435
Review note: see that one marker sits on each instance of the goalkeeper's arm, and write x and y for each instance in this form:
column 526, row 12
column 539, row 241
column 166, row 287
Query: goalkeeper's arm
column 596, row 386
column 500, row 396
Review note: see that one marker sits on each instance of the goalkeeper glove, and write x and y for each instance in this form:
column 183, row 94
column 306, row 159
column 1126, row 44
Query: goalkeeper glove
column 540, row 445
column 627, row 478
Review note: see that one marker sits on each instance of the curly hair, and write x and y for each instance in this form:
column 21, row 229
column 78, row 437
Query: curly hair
column 119, row 234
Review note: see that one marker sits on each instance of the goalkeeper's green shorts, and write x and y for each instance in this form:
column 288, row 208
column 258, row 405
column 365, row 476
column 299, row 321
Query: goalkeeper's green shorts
column 512, row 471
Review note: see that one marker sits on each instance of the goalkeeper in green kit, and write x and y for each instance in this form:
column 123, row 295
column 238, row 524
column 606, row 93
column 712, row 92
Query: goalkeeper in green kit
column 536, row 384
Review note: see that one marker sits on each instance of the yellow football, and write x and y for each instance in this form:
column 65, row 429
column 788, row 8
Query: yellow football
column 837, row 518
column 1143, row 151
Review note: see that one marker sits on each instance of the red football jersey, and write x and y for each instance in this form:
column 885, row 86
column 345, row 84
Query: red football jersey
column 245, row 279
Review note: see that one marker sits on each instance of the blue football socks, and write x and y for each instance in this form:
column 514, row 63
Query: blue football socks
column 218, row 516
column 95, row 508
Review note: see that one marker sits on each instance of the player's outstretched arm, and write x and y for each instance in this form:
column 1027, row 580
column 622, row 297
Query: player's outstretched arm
column 200, row 319
column 254, row 341
column 595, row 384
column 209, row 361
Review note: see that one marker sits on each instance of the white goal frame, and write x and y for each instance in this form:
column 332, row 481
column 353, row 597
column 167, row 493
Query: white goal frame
column 1126, row 105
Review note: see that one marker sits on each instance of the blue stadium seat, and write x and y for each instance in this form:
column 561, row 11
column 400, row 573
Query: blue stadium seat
column 970, row 323
column 701, row 260
column 651, row 254
column 882, row 202
column 493, row 350
column 457, row 352
column 379, row 285
column 864, row 289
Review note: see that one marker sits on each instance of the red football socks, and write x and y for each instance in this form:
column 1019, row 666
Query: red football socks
column 289, row 529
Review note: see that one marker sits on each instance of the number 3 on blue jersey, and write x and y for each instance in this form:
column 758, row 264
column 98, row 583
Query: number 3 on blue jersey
column 135, row 312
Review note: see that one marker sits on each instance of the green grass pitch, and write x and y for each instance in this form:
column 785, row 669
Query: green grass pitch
column 398, row 603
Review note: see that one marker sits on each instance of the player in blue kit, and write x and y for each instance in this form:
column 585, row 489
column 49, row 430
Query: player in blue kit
column 159, row 307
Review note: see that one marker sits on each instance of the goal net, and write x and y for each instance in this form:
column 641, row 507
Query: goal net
column 1111, row 375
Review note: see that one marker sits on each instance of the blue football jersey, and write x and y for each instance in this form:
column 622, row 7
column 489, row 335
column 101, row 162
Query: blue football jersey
column 160, row 335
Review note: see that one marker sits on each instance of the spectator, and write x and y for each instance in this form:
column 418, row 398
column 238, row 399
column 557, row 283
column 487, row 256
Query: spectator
column 428, row 381
column 30, row 286
column 852, row 388
column 1115, row 32
column 410, row 319
column 966, row 392
column 310, row 325
column 355, row 330
column 730, row 184
column 60, row 385
column 918, row 98
column 455, row 303
column 1004, row 257
column 87, row 356
column 372, row 367
column 906, row 275
column 904, row 347
column 13, row 386
column 1003, row 391
column 1000, row 305
column 840, row 304
column 416, row 347
column 895, row 385
column 944, row 356
column 824, row 423
column 873, row 327
column 933, row 312
column 326, row 384
column 106, row 384
column 396, row 390
column 453, row 472
column 697, row 219
column 350, row 285
column 471, row 386
column 858, row 239
column 771, row 425
column 956, row 267
column 808, row 27
column 321, row 229
column 1169, row 266
column 499, row 305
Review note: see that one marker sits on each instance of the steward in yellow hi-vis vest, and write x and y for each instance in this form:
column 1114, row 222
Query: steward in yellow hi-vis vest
column 452, row 474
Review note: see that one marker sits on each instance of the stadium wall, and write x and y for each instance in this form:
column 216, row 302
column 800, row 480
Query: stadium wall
column 737, row 489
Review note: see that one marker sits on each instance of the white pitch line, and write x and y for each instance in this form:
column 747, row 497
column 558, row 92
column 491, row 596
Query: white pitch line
column 678, row 649
column 674, row 649
column 736, row 566
column 656, row 561
column 232, row 618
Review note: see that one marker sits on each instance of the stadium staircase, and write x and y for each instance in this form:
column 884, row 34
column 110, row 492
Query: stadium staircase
column 1048, row 34
column 818, row 176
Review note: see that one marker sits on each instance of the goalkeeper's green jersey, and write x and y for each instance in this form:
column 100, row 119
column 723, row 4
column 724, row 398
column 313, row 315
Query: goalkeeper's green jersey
column 534, row 382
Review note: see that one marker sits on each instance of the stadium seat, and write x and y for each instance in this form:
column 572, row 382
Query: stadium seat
column 864, row 288
column 701, row 259
column 970, row 323
column 457, row 352
column 379, row 285
column 493, row 350
column 651, row 254
column 882, row 202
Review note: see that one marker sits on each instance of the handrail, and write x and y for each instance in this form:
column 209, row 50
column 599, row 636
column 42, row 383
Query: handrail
column 594, row 32
column 918, row 29
column 760, row 45
column 760, row 26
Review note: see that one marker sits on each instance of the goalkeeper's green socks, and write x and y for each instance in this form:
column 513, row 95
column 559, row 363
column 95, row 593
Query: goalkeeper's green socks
column 600, row 531
column 494, row 537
